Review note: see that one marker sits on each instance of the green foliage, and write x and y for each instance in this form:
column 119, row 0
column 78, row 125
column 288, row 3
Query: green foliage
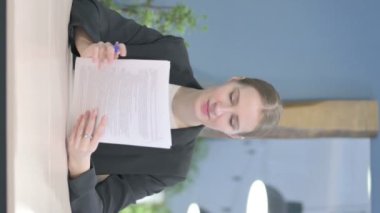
column 175, row 20
column 199, row 153
column 147, row 208
column 110, row 4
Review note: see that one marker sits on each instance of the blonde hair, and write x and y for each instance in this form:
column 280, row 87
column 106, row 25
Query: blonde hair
column 272, row 106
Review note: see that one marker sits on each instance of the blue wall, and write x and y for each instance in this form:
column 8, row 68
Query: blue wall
column 308, row 49
column 315, row 49
column 325, row 175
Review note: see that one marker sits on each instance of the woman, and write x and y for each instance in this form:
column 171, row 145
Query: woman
column 240, row 106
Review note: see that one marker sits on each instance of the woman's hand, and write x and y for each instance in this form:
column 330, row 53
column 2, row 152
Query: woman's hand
column 99, row 52
column 83, row 141
column 102, row 53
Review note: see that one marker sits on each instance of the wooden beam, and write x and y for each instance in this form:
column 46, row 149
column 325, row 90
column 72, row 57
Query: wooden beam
column 315, row 119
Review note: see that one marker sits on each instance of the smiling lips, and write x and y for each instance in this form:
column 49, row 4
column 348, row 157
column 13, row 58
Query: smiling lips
column 205, row 108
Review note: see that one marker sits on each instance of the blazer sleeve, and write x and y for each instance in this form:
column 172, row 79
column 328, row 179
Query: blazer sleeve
column 104, row 24
column 115, row 192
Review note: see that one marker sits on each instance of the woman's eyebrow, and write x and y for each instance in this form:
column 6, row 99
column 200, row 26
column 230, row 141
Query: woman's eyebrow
column 237, row 103
column 238, row 95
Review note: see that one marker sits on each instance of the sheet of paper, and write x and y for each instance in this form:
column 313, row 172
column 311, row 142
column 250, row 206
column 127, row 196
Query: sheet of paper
column 134, row 94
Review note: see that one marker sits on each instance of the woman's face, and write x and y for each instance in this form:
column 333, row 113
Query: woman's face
column 230, row 108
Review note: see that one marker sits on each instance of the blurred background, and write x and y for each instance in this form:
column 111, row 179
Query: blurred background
column 310, row 50
column 315, row 50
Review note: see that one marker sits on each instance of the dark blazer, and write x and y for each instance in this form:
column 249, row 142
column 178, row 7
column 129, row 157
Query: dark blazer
column 135, row 172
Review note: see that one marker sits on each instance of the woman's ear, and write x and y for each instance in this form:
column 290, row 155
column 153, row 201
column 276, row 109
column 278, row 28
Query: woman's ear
column 234, row 136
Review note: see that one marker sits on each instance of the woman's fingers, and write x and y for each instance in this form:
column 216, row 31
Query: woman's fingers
column 99, row 131
column 81, row 146
column 85, row 135
column 123, row 49
column 80, row 129
column 74, row 130
column 95, row 54
column 110, row 52
column 102, row 53
column 91, row 123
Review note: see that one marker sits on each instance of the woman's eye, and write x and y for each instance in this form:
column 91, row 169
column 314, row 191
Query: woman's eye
column 233, row 122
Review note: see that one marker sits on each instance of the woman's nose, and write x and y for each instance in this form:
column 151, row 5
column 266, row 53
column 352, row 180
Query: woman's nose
column 221, row 108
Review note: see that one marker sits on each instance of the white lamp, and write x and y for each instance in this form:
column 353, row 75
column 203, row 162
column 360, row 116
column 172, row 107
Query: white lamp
column 257, row 198
column 266, row 199
column 193, row 208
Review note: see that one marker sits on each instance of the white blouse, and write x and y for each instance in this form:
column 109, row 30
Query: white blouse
column 173, row 89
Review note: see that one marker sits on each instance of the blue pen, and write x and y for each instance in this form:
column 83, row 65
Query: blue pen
column 116, row 47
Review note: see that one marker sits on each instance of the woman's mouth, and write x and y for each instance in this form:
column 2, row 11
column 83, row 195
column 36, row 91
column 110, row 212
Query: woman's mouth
column 205, row 109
